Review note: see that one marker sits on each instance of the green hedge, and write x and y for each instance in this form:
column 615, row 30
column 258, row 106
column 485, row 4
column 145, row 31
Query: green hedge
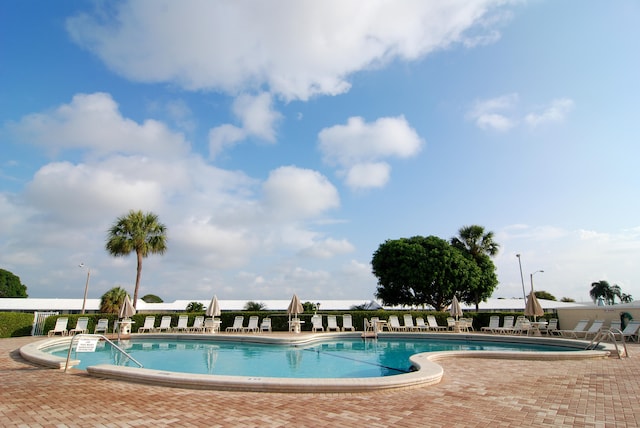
column 15, row 324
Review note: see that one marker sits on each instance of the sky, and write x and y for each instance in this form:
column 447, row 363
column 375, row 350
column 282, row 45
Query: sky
column 282, row 142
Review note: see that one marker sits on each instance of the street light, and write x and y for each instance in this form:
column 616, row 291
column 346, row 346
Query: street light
column 524, row 293
column 86, row 286
column 531, row 277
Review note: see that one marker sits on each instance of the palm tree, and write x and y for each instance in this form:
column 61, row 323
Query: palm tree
column 480, row 246
column 139, row 232
column 194, row 307
column 255, row 306
column 111, row 301
column 602, row 290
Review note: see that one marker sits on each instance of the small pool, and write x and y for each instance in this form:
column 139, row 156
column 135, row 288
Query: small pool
column 336, row 358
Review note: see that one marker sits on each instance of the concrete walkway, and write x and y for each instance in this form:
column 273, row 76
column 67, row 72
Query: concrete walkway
column 473, row 393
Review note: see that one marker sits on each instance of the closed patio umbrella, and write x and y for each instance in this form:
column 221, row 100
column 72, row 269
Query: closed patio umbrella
column 533, row 307
column 127, row 310
column 213, row 310
column 295, row 307
column 455, row 309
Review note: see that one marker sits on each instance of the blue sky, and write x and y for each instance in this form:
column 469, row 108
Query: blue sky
column 282, row 142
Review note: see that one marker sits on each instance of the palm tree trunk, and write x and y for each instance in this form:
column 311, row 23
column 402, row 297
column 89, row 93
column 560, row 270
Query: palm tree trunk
column 138, row 274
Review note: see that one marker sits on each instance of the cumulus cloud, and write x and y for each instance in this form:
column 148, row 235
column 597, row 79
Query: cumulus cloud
column 296, row 49
column 328, row 248
column 555, row 112
column 357, row 148
column 257, row 119
column 93, row 121
column 494, row 113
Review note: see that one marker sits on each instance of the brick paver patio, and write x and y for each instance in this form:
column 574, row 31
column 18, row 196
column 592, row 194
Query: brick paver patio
column 473, row 393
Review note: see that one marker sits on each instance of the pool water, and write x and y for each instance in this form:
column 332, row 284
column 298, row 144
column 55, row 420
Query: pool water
column 343, row 358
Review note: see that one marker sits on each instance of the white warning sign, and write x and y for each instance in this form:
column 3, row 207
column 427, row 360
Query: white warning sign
column 87, row 344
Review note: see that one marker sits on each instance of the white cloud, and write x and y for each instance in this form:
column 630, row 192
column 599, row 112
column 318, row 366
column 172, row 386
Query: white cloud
column 295, row 193
column 493, row 113
column 357, row 146
column 296, row 49
column 257, row 117
column 328, row 248
column 555, row 112
column 93, row 121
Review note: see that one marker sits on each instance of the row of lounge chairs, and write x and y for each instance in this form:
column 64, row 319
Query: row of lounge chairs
column 393, row 324
column 332, row 323
column 631, row 332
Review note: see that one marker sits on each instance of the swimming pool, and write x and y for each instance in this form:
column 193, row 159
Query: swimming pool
column 335, row 358
column 366, row 370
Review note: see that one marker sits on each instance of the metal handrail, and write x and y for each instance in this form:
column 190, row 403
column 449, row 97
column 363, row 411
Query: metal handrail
column 66, row 365
column 610, row 334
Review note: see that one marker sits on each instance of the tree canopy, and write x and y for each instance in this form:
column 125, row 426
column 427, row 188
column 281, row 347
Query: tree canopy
column 112, row 300
column 152, row 298
column 10, row 285
column 422, row 271
column 137, row 232
column 608, row 293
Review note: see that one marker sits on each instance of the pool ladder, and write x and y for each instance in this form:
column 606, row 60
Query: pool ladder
column 98, row 336
column 610, row 335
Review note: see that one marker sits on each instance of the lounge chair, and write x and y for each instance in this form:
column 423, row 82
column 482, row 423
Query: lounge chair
column 551, row 326
column 237, row 324
column 630, row 332
column 332, row 323
column 408, row 322
column 183, row 323
column 617, row 324
column 253, row 325
column 347, row 323
column 579, row 328
column 316, row 323
column 420, row 324
column 522, row 326
column 102, row 326
column 494, row 322
column 466, row 324
column 81, row 326
column 165, row 324
column 198, row 324
column 433, row 323
column 451, row 323
column 394, row 324
column 507, row 325
column 265, row 325
column 149, row 325
column 60, row 327
column 592, row 331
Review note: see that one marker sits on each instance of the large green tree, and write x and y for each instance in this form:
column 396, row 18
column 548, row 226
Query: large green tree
column 10, row 285
column 422, row 270
column 602, row 290
column 112, row 300
column 479, row 246
column 137, row 232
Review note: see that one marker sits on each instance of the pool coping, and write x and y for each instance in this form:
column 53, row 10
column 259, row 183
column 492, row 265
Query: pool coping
column 427, row 372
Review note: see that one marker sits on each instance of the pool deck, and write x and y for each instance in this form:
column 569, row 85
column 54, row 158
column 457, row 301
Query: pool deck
column 473, row 392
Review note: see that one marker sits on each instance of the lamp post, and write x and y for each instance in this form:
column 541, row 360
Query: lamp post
column 524, row 293
column 86, row 287
column 531, row 277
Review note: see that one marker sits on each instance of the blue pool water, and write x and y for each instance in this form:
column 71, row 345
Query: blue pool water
column 343, row 358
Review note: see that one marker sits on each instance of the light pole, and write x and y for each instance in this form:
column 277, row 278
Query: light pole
column 524, row 293
column 86, row 287
column 531, row 277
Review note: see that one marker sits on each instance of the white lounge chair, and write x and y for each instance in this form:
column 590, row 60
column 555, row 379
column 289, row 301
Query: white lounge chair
column 408, row 322
column 81, row 326
column 198, row 324
column 211, row 325
column 165, row 324
column 551, row 326
column 149, row 325
column 433, row 323
column 253, row 324
column 522, row 326
column 347, row 323
column 332, row 323
column 237, row 324
column 316, row 323
column 591, row 332
column 579, row 328
column 265, row 325
column 507, row 325
column 102, row 326
column 183, row 323
column 451, row 323
column 494, row 323
column 394, row 324
column 60, row 327
column 466, row 324
column 631, row 331
column 420, row 324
